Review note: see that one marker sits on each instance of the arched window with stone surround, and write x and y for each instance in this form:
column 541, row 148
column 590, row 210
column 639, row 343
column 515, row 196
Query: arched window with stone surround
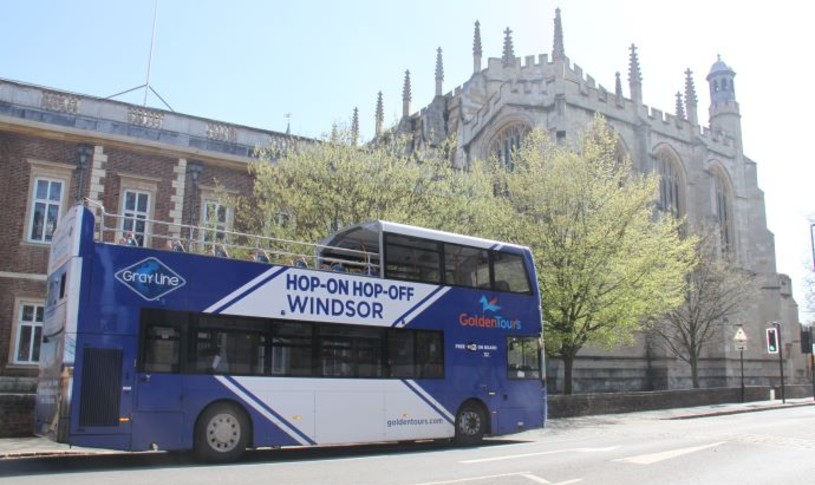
column 723, row 211
column 670, row 184
column 507, row 141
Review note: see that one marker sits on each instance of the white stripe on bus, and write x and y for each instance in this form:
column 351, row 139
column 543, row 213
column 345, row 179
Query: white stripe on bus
column 418, row 309
column 231, row 296
column 252, row 401
column 437, row 406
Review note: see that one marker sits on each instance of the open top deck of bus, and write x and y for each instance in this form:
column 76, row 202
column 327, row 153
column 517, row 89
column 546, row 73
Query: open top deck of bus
column 414, row 253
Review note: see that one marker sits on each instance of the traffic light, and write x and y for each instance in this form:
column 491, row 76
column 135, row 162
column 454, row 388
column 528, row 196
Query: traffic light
column 806, row 343
column 772, row 340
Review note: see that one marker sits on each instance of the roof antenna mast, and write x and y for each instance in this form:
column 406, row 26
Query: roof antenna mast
column 146, row 85
column 150, row 56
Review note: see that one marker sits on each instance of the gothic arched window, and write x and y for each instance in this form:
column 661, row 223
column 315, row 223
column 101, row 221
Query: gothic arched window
column 670, row 193
column 723, row 210
column 507, row 141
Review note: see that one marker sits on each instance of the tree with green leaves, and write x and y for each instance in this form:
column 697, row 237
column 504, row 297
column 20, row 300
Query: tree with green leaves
column 716, row 291
column 606, row 261
column 313, row 189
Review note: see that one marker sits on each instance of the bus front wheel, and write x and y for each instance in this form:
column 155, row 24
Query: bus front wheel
column 221, row 433
column 471, row 424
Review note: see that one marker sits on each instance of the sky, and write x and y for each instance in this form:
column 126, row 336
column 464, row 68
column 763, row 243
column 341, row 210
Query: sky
column 311, row 62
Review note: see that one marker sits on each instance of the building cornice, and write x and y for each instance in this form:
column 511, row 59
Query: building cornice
column 57, row 115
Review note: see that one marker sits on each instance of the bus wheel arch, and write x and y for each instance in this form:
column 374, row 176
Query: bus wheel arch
column 223, row 432
column 472, row 423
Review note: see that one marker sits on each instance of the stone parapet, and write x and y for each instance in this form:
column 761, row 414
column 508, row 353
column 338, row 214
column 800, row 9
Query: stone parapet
column 32, row 103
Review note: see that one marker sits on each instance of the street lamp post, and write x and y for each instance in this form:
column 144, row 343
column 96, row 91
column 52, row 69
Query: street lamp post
column 812, row 342
column 741, row 359
column 83, row 153
column 194, row 169
column 812, row 243
column 740, row 339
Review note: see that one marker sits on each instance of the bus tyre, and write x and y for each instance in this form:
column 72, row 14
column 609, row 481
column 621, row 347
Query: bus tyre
column 470, row 424
column 221, row 433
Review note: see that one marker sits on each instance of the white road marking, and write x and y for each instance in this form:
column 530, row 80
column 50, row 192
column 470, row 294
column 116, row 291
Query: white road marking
column 542, row 453
column 526, row 475
column 666, row 455
column 535, row 478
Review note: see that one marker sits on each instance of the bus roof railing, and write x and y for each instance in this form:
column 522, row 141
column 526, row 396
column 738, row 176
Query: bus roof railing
column 217, row 241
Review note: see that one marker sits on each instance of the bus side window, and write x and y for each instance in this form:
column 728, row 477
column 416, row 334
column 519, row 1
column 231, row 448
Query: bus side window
column 62, row 279
column 429, row 355
column 466, row 266
column 401, row 353
column 410, row 258
column 238, row 352
column 292, row 349
column 162, row 344
column 510, row 273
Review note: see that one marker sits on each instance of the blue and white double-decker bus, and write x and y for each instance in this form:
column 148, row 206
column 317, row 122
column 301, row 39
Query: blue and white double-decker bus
column 382, row 332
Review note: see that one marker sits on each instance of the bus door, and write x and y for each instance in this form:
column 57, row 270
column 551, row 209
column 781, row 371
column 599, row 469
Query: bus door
column 157, row 412
column 105, row 368
column 523, row 406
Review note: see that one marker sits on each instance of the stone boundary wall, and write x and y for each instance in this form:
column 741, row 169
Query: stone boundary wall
column 561, row 406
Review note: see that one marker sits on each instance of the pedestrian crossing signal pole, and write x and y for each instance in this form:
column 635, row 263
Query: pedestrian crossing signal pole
column 812, row 358
column 772, row 340
column 774, row 347
column 741, row 343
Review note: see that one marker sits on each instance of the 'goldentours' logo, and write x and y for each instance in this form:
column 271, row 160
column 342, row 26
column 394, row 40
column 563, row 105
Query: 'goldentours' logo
column 488, row 321
column 151, row 279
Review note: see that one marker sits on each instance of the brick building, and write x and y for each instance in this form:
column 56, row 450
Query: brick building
column 57, row 148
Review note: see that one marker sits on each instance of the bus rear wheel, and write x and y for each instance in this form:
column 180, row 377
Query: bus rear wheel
column 471, row 424
column 221, row 433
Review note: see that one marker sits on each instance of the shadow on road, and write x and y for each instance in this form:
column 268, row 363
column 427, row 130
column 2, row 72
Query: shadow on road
column 47, row 465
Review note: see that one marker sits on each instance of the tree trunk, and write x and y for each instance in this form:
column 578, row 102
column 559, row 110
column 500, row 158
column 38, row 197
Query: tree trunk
column 694, row 371
column 568, row 363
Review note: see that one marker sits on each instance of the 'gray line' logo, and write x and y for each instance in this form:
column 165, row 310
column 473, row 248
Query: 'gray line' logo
column 150, row 278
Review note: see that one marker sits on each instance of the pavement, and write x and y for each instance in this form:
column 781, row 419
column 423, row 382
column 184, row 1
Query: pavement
column 37, row 447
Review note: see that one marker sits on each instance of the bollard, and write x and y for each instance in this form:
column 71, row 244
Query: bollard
column 772, row 394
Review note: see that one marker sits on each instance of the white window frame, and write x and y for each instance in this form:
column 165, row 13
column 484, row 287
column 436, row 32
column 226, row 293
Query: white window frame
column 209, row 196
column 138, row 184
column 215, row 230
column 19, row 324
column 132, row 217
column 52, row 173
